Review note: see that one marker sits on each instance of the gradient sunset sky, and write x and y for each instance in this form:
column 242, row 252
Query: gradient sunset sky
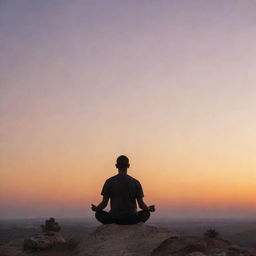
column 169, row 83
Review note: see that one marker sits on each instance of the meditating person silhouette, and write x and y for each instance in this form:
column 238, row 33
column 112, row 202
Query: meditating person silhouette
column 123, row 191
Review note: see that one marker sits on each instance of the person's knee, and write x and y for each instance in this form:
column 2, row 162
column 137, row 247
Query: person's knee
column 103, row 217
column 98, row 216
column 144, row 216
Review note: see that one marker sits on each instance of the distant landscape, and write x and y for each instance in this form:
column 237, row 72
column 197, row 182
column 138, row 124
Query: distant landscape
column 240, row 232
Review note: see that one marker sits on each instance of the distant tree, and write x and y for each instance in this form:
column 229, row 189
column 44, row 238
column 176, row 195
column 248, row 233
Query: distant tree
column 211, row 233
column 50, row 226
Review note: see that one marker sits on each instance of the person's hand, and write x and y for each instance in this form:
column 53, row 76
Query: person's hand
column 151, row 208
column 94, row 207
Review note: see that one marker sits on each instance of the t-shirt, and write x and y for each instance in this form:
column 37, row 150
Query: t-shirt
column 123, row 190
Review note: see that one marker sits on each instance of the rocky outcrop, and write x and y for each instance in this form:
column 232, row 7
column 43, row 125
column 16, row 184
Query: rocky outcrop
column 41, row 241
column 14, row 248
column 144, row 240
column 130, row 240
column 195, row 254
column 38, row 244
column 196, row 246
column 117, row 240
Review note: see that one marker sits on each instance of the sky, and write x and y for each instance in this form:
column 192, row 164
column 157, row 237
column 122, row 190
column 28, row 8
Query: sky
column 169, row 83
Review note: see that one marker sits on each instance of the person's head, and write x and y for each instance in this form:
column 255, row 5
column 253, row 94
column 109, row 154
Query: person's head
column 122, row 163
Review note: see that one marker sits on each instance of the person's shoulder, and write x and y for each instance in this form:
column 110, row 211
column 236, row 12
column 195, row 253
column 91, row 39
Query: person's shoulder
column 133, row 179
column 111, row 178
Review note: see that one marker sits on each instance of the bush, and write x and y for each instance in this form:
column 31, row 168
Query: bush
column 50, row 226
column 211, row 233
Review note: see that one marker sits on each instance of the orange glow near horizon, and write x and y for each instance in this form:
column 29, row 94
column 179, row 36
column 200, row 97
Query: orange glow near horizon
column 168, row 184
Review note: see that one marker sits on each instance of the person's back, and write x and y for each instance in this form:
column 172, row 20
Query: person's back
column 123, row 191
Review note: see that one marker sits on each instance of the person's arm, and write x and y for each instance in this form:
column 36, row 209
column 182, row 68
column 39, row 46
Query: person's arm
column 106, row 195
column 141, row 203
column 103, row 204
column 143, row 206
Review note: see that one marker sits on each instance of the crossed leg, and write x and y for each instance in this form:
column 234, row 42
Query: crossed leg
column 105, row 218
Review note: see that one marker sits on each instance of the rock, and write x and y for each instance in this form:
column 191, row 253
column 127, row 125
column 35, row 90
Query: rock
column 217, row 246
column 196, row 254
column 217, row 253
column 58, row 238
column 187, row 245
column 180, row 246
column 214, row 243
column 250, row 252
column 37, row 242
column 14, row 248
column 125, row 240
column 41, row 242
column 233, row 251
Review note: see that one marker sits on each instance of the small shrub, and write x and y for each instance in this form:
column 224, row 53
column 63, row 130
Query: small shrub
column 50, row 226
column 211, row 233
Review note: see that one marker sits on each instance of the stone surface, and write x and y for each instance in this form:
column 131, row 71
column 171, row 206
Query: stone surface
column 215, row 243
column 217, row 253
column 180, row 246
column 41, row 241
column 196, row 254
column 185, row 246
column 37, row 242
column 126, row 240
column 14, row 248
